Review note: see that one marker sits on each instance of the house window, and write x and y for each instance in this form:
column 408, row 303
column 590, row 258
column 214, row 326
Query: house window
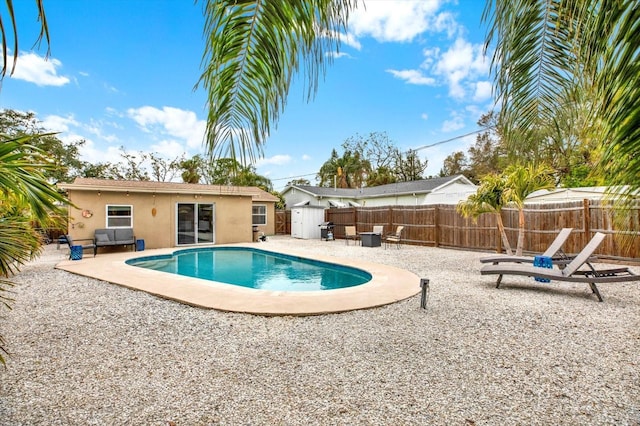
column 259, row 214
column 119, row 216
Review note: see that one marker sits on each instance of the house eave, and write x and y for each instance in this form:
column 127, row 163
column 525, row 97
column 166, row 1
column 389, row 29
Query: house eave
column 219, row 190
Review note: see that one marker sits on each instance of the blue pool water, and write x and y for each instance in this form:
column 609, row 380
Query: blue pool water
column 253, row 268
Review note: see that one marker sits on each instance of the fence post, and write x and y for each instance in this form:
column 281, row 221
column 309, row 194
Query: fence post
column 436, row 222
column 587, row 221
column 389, row 219
column 499, row 236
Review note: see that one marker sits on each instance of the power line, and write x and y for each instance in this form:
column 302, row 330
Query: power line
column 484, row 129
column 295, row 177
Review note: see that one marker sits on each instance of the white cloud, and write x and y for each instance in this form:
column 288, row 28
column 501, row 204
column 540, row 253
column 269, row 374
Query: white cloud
column 306, row 157
column 56, row 123
column 67, row 125
column 456, row 122
column 113, row 112
column 97, row 128
column 483, row 91
column 338, row 55
column 463, row 56
column 38, row 70
column 350, row 40
column 437, row 154
column 413, row 77
column 89, row 152
column 110, row 88
column 174, row 122
column 168, row 148
column 424, row 116
column 460, row 66
column 393, row 21
column 277, row 160
column 446, row 22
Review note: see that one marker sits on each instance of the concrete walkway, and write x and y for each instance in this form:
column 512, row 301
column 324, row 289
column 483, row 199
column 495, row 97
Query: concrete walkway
column 388, row 285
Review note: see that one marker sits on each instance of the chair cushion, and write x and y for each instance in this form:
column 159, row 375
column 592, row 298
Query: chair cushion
column 124, row 235
column 102, row 238
column 108, row 232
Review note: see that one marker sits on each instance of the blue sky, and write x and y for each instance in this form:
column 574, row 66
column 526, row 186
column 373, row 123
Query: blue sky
column 122, row 73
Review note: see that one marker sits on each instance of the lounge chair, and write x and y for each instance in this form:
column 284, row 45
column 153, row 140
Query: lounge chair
column 81, row 243
column 570, row 273
column 350, row 234
column 394, row 238
column 554, row 251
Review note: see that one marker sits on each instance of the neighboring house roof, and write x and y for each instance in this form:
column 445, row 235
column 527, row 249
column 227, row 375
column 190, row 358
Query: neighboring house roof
column 108, row 185
column 572, row 194
column 400, row 188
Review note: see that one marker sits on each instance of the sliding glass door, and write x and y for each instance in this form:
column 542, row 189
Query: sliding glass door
column 195, row 224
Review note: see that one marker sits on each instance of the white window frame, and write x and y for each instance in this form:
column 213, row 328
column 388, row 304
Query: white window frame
column 254, row 216
column 130, row 216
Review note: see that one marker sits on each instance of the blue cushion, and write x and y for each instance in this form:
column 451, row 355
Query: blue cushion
column 543, row 262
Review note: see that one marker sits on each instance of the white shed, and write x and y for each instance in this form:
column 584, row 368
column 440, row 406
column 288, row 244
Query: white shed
column 305, row 221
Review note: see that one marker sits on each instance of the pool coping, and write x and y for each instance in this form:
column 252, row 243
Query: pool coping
column 388, row 285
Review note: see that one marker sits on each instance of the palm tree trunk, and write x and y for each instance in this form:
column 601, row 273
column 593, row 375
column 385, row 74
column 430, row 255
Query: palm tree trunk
column 503, row 234
column 520, row 232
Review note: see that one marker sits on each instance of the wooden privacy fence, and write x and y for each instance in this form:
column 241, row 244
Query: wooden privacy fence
column 441, row 225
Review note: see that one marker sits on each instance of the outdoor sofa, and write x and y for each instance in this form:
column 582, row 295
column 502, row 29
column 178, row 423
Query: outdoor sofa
column 114, row 237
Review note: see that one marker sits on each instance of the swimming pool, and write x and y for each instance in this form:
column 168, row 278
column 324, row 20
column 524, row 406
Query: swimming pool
column 255, row 268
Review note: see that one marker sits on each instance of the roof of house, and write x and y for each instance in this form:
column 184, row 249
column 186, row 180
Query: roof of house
column 109, row 185
column 578, row 193
column 400, row 188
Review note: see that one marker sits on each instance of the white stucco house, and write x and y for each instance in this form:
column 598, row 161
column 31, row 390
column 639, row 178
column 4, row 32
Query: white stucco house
column 441, row 190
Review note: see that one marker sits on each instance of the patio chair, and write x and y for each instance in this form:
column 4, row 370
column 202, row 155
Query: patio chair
column 378, row 229
column 350, row 234
column 571, row 272
column 81, row 243
column 554, row 251
column 394, row 238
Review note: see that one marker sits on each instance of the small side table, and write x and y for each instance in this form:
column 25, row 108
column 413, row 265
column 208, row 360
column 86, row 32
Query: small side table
column 370, row 239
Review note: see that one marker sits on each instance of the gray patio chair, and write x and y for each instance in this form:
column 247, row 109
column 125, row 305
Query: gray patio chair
column 571, row 272
column 554, row 251
column 82, row 243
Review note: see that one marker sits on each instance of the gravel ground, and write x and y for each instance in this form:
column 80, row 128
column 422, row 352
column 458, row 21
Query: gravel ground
column 85, row 352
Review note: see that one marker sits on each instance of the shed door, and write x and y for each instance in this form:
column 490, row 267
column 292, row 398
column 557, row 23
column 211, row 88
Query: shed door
column 195, row 224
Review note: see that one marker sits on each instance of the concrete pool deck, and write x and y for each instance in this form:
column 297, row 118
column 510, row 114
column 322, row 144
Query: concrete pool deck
column 388, row 285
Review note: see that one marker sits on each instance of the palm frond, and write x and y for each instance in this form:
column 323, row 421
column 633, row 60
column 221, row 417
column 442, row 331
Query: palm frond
column 533, row 59
column 44, row 33
column 253, row 49
column 619, row 84
column 19, row 243
column 524, row 180
column 21, row 167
